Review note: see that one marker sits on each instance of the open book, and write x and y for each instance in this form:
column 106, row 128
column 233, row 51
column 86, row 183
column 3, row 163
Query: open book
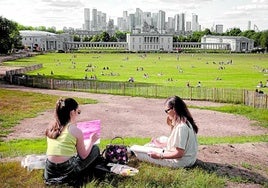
column 145, row 149
column 89, row 127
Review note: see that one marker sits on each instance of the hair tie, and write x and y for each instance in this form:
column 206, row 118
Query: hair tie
column 62, row 103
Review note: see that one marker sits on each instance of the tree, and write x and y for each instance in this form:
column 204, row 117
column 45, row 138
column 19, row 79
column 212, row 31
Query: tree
column 207, row 32
column 51, row 30
column 121, row 36
column 22, row 27
column 87, row 39
column 264, row 39
column 9, row 36
column 182, row 38
column 234, row 32
column 59, row 32
column 256, row 37
column 77, row 38
column 248, row 33
column 196, row 36
column 113, row 39
column 104, row 37
column 95, row 38
column 41, row 28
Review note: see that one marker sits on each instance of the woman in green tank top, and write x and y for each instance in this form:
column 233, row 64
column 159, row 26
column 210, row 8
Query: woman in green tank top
column 68, row 157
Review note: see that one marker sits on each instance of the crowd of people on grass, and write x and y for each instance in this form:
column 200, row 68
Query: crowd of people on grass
column 261, row 85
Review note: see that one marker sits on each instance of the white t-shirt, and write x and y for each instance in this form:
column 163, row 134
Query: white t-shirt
column 184, row 137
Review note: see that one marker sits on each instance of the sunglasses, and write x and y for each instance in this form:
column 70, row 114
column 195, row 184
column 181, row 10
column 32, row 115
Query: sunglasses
column 167, row 110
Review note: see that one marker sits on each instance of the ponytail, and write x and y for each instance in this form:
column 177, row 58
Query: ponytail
column 62, row 116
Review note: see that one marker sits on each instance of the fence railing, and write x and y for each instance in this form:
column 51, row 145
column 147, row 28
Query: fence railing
column 237, row 96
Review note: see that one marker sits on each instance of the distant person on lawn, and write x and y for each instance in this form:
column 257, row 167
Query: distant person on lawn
column 180, row 148
column 68, row 157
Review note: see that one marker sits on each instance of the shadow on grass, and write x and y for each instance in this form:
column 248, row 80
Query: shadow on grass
column 231, row 172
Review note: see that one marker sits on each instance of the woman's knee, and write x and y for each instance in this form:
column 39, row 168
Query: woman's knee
column 95, row 151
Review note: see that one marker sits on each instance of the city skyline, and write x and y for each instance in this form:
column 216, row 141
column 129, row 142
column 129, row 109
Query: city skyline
column 70, row 13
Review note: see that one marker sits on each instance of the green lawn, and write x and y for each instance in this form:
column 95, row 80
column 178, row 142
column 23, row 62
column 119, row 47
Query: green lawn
column 244, row 72
column 238, row 70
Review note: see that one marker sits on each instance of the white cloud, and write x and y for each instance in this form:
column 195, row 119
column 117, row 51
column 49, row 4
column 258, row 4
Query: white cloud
column 64, row 3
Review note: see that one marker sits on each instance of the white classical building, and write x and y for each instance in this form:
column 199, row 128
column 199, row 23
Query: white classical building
column 149, row 42
column 235, row 43
column 44, row 41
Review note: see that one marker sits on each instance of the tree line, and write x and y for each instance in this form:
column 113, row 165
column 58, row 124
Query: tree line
column 10, row 37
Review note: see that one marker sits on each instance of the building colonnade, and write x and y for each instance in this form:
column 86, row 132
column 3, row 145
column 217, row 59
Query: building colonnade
column 96, row 45
column 147, row 40
column 199, row 45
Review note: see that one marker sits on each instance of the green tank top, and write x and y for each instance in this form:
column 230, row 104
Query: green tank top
column 64, row 145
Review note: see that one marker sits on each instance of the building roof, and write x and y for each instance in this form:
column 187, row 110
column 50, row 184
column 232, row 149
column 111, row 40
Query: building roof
column 25, row 33
column 149, row 34
column 226, row 37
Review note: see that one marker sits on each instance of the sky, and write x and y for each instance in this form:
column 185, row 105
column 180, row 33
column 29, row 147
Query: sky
column 70, row 13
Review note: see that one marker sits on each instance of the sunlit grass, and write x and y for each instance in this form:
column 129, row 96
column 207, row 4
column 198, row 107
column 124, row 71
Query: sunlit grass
column 245, row 72
column 22, row 147
column 259, row 115
column 17, row 105
column 148, row 176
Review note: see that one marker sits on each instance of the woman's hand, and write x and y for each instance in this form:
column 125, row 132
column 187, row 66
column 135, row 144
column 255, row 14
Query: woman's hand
column 169, row 121
column 93, row 138
column 178, row 153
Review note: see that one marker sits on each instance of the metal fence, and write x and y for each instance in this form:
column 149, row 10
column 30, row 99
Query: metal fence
column 236, row 96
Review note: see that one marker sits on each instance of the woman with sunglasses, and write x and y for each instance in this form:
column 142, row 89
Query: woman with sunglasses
column 68, row 157
column 180, row 148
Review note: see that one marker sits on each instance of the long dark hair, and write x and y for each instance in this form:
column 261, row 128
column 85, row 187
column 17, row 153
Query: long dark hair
column 62, row 115
column 181, row 109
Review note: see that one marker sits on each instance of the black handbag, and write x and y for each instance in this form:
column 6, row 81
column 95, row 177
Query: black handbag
column 116, row 153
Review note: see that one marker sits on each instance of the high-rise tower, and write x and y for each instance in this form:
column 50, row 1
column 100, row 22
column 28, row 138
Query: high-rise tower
column 195, row 24
column 161, row 21
column 94, row 21
column 86, row 19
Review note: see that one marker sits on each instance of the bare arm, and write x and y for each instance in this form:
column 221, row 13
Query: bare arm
column 82, row 149
column 178, row 153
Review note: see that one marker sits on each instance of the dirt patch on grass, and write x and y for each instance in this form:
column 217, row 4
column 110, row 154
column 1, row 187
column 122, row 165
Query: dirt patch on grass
column 142, row 117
